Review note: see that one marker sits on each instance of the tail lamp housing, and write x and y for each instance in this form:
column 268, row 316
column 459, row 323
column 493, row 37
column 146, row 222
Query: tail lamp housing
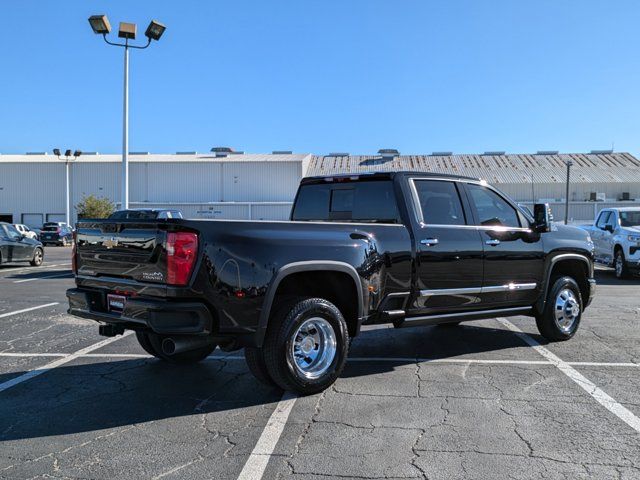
column 182, row 251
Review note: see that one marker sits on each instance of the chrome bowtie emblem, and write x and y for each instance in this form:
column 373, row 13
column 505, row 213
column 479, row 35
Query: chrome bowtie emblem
column 111, row 242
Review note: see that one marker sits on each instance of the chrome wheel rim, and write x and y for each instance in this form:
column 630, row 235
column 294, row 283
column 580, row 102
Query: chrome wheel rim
column 38, row 255
column 567, row 310
column 313, row 347
column 619, row 265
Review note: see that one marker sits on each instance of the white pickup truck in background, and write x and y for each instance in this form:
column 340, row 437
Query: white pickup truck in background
column 616, row 237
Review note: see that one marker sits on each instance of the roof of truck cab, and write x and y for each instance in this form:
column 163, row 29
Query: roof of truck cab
column 383, row 174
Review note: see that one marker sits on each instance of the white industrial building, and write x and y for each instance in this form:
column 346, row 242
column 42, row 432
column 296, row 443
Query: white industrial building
column 227, row 184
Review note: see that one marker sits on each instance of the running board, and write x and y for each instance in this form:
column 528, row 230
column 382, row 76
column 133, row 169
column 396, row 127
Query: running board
column 459, row 317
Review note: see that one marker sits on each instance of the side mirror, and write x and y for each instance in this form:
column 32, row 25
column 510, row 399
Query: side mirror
column 608, row 228
column 542, row 217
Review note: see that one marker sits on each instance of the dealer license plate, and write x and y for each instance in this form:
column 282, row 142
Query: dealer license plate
column 115, row 303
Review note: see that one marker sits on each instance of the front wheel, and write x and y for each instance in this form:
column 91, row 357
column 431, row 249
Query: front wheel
column 562, row 312
column 38, row 257
column 306, row 345
column 620, row 265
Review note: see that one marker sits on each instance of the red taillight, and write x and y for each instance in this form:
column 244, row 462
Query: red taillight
column 182, row 248
column 74, row 251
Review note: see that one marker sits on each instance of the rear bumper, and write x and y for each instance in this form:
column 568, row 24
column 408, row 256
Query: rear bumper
column 160, row 316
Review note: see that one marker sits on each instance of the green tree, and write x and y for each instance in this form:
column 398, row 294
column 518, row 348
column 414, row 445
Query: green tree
column 94, row 207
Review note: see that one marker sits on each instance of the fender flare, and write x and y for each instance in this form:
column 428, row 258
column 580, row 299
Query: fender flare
column 558, row 258
column 305, row 266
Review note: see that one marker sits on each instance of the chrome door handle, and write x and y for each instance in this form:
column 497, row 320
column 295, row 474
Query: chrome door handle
column 430, row 242
column 493, row 242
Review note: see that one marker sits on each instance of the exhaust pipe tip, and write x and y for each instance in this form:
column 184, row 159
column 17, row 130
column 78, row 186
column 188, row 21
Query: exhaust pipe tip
column 168, row 346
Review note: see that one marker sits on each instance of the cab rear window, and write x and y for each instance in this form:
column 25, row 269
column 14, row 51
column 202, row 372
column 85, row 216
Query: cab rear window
column 364, row 201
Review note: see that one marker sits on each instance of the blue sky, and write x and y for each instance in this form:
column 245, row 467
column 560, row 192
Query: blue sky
column 324, row 76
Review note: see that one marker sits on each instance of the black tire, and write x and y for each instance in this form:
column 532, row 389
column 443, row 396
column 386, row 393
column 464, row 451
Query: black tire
column 548, row 324
column 281, row 334
column 449, row 324
column 64, row 242
column 257, row 366
column 620, row 265
column 152, row 344
column 38, row 257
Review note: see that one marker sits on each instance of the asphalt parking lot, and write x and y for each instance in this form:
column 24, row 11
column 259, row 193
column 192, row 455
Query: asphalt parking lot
column 484, row 400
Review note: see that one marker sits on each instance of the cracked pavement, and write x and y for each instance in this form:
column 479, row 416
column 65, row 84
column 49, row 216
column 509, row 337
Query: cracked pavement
column 112, row 416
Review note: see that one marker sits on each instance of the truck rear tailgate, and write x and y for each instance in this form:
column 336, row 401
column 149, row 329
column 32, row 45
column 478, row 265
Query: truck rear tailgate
column 126, row 249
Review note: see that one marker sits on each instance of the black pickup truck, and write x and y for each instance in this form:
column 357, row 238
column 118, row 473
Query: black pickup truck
column 405, row 248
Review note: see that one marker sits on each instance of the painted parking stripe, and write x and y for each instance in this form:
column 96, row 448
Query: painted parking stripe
column 259, row 457
column 9, row 270
column 8, row 314
column 479, row 361
column 587, row 385
column 61, row 361
column 55, row 275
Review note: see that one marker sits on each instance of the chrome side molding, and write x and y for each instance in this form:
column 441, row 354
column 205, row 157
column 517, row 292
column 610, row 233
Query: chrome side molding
column 471, row 313
column 477, row 290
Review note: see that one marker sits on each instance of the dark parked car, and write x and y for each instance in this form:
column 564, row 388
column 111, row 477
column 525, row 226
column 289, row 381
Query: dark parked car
column 145, row 214
column 405, row 248
column 15, row 247
column 56, row 234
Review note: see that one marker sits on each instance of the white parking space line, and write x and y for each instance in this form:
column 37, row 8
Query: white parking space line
column 43, row 277
column 61, row 361
column 587, row 385
column 479, row 361
column 10, row 270
column 259, row 457
column 8, row 314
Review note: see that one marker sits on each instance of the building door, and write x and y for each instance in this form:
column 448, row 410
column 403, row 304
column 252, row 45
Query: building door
column 32, row 220
column 6, row 217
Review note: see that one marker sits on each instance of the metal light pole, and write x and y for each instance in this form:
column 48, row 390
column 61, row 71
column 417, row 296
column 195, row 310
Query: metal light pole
column 100, row 25
column 67, row 161
column 566, row 205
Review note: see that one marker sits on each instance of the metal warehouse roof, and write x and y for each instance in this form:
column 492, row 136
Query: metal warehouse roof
column 152, row 157
column 587, row 168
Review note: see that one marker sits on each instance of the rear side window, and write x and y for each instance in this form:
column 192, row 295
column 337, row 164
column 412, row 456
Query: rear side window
column 439, row 203
column 491, row 208
column 366, row 201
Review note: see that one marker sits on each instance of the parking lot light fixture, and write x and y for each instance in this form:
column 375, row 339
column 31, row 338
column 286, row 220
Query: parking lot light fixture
column 100, row 25
column 155, row 30
column 127, row 31
column 68, row 158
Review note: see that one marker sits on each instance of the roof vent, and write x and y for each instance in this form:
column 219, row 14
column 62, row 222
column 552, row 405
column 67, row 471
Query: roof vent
column 36, row 153
column 139, row 153
column 601, row 152
column 222, row 151
column 547, row 152
column 338, row 154
column 494, row 153
column 239, row 152
column 282, row 152
column 441, row 154
column 186, row 153
column 388, row 152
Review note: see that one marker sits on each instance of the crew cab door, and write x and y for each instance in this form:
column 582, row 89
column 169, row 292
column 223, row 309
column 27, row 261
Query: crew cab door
column 601, row 237
column 448, row 249
column 513, row 252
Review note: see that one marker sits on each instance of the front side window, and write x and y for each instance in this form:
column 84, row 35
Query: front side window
column 361, row 201
column 492, row 210
column 11, row 232
column 439, row 202
column 603, row 219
